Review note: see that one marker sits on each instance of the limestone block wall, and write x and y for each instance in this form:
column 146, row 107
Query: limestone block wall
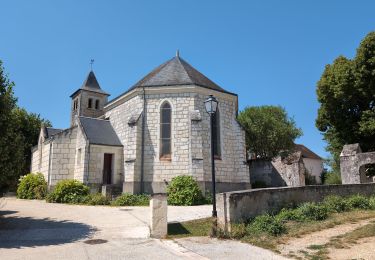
column 63, row 155
column 44, row 161
column 238, row 206
column 130, row 137
column 34, row 160
column 352, row 161
column 83, row 110
column 159, row 172
column 231, row 170
column 96, row 161
column 314, row 167
column 81, row 157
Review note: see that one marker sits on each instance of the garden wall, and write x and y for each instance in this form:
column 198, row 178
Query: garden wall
column 236, row 206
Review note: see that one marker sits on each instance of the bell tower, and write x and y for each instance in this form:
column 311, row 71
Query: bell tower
column 88, row 100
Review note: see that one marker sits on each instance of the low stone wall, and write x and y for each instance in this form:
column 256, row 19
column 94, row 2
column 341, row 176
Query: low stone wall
column 234, row 207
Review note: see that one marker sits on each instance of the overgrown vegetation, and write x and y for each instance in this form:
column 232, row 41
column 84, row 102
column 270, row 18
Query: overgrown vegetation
column 184, row 191
column 270, row 230
column 127, row 199
column 32, row 186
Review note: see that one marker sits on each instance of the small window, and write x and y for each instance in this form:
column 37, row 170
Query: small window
column 97, row 104
column 216, row 134
column 79, row 154
column 165, row 131
column 89, row 105
column 75, row 104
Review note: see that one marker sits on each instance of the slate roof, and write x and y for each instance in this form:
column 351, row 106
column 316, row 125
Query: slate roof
column 175, row 72
column 306, row 152
column 90, row 84
column 99, row 131
column 52, row 131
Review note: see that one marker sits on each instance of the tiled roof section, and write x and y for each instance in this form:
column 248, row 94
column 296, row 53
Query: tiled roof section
column 306, row 152
column 99, row 131
column 175, row 72
column 52, row 131
column 91, row 84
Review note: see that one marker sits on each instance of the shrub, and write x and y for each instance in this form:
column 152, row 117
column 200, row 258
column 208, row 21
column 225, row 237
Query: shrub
column 69, row 191
column 332, row 178
column 32, row 186
column 372, row 202
column 127, row 199
column 184, row 191
column 96, row 199
column 290, row 214
column 358, row 202
column 266, row 224
column 336, row 204
column 313, row 211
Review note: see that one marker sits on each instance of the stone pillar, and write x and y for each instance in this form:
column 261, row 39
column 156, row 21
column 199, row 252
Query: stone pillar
column 159, row 209
column 349, row 164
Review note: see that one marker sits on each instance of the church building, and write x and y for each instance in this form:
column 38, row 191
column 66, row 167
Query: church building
column 154, row 131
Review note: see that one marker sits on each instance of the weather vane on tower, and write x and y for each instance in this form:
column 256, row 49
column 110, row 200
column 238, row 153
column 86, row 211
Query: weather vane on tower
column 91, row 62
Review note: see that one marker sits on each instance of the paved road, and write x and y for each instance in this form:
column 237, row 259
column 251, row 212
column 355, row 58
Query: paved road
column 39, row 230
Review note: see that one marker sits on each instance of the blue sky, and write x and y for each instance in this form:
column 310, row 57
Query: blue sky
column 268, row 52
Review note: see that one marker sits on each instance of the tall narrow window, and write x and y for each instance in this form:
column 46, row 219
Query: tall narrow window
column 97, row 104
column 165, row 131
column 89, row 105
column 216, row 134
column 79, row 155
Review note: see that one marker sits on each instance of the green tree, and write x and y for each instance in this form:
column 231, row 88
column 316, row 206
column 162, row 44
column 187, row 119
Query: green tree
column 10, row 141
column 19, row 131
column 269, row 131
column 346, row 92
column 28, row 127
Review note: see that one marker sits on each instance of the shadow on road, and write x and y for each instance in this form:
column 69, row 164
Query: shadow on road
column 16, row 232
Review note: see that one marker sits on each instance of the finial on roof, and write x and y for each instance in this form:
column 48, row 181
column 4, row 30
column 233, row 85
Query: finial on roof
column 177, row 53
column 91, row 62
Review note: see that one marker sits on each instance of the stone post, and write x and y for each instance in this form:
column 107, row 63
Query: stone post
column 349, row 164
column 159, row 208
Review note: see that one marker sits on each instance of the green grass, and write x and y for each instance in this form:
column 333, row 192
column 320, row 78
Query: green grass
column 200, row 227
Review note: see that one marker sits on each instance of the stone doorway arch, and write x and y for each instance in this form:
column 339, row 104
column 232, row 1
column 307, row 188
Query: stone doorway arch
column 354, row 164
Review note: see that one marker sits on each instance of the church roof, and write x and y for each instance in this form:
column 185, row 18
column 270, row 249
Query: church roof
column 90, row 84
column 52, row 131
column 175, row 72
column 99, row 131
column 306, row 152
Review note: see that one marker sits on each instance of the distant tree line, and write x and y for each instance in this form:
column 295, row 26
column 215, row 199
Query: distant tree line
column 19, row 131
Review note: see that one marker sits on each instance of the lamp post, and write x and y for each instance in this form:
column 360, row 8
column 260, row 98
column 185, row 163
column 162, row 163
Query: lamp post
column 211, row 107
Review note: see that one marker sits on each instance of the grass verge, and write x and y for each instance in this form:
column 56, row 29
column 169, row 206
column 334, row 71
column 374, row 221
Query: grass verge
column 295, row 229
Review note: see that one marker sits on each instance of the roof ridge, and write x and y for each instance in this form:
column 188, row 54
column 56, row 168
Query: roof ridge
column 93, row 118
column 182, row 64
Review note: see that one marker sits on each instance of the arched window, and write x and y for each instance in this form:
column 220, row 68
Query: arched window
column 216, row 134
column 89, row 105
column 97, row 104
column 165, row 131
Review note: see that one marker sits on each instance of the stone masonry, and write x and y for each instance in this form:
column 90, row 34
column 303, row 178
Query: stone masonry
column 352, row 163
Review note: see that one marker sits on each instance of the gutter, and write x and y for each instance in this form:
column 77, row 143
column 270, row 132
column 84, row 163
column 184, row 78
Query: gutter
column 143, row 141
column 49, row 163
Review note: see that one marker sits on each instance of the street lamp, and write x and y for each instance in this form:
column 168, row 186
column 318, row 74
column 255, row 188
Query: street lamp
column 211, row 107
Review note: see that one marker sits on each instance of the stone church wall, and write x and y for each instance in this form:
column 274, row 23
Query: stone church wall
column 96, row 161
column 81, row 161
column 130, row 137
column 63, row 155
column 190, row 140
column 231, row 170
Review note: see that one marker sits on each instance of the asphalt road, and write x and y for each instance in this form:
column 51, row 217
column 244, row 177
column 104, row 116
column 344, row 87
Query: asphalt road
column 39, row 230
